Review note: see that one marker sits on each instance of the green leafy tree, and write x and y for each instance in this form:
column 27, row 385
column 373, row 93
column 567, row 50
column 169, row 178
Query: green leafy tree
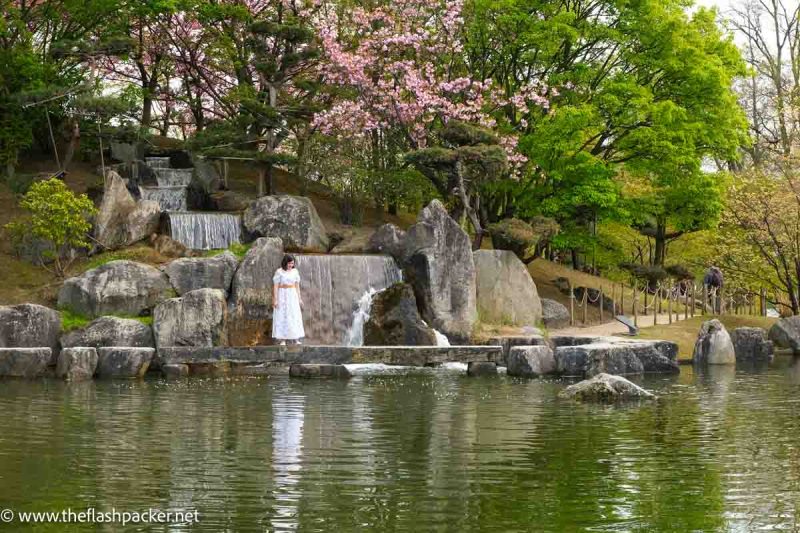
column 57, row 217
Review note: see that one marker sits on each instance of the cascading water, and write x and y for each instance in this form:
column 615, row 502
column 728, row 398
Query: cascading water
column 335, row 286
column 441, row 338
column 355, row 335
column 168, row 198
column 173, row 177
column 205, row 231
column 157, row 162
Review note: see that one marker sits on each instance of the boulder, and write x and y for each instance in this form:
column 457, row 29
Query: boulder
column 506, row 293
column 24, row 362
column 388, row 239
column 319, row 371
column 169, row 247
column 198, row 318
column 29, row 326
column 116, row 288
column 529, row 361
column 617, row 356
column 121, row 220
column 216, row 272
column 75, row 364
column 509, row 341
column 481, row 368
column 206, row 174
column 250, row 305
column 605, row 388
column 395, row 321
column 123, row 362
column 439, row 265
column 349, row 241
column 229, row 201
column 752, row 344
column 293, row 219
column 110, row 331
column 714, row 345
column 785, row 333
column 555, row 315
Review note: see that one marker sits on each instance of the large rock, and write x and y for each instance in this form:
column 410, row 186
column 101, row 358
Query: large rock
column 615, row 356
column 216, row 272
column 439, row 265
column 714, row 345
column 785, row 333
column 388, row 239
column 169, row 247
column 110, row 331
column 555, row 315
column 752, row 344
column 605, row 388
column 529, row 361
column 506, row 293
column 509, row 341
column 121, row 220
column 229, row 201
column 395, row 321
column 75, row 364
column 250, row 305
column 24, row 362
column 293, row 219
column 116, row 288
column 123, row 362
column 29, row 326
column 198, row 318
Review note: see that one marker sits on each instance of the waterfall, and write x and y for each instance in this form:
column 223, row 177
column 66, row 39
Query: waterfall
column 441, row 338
column 173, row 177
column 206, row 231
column 335, row 286
column 355, row 334
column 168, row 198
column 157, row 162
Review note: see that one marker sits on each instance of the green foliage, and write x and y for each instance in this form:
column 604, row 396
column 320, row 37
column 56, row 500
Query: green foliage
column 238, row 249
column 71, row 321
column 58, row 217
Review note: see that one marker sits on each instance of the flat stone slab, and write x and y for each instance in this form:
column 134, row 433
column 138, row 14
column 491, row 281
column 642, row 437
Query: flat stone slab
column 338, row 355
column 616, row 355
column 24, row 362
column 123, row 362
column 319, row 371
column 510, row 341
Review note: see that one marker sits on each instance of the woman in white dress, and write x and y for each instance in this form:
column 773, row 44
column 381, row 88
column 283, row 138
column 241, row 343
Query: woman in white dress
column 287, row 318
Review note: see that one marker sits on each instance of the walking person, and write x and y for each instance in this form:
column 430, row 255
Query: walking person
column 287, row 317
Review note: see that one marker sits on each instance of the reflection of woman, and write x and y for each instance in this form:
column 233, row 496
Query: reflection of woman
column 287, row 319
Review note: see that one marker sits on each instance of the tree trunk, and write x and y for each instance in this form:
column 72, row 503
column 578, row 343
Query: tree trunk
column 74, row 143
column 262, row 174
column 661, row 244
column 576, row 260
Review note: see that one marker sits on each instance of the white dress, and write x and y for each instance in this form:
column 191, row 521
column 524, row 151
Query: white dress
column 287, row 319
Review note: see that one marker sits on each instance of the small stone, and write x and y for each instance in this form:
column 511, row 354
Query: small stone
column 481, row 368
column 175, row 370
column 77, row 363
column 319, row 371
column 605, row 388
column 554, row 314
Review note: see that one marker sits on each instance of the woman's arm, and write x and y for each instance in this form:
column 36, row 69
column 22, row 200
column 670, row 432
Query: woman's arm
column 274, row 295
column 299, row 296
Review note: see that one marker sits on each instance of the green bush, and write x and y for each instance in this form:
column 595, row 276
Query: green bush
column 70, row 320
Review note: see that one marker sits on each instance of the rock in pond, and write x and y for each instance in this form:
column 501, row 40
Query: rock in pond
column 175, row 370
column 216, row 272
column 506, row 293
column 123, row 362
column 198, row 318
column 293, row 219
column 24, row 362
column 29, row 326
column 554, row 314
column 76, row 364
column 785, row 333
column 319, row 371
column 752, row 344
column 616, row 355
column 509, row 341
column 111, row 331
column 481, row 368
column 116, row 288
column 605, row 388
column 531, row 361
column 439, row 265
column 714, row 345
column 395, row 321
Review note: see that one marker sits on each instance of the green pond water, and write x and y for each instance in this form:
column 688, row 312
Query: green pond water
column 434, row 451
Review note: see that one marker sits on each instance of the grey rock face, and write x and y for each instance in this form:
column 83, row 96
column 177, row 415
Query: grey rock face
column 229, row 201
column 29, row 326
column 617, row 356
column 75, row 364
column 785, row 333
column 116, row 288
column 607, row 389
column 123, row 362
column 111, row 331
column 388, row 239
column 293, row 219
column 175, row 370
column 506, row 293
column 121, row 220
column 751, row 344
column 216, row 272
column 529, row 361
column 714, row 345
column 481, row 368
column 395, row 321
column 319, row 371
column 126, row 152
column 250, row 306
column 554, row 314
column 169, row 247
column 24, row 362
column 439, row 265
column 198, row 318
column 509, row 341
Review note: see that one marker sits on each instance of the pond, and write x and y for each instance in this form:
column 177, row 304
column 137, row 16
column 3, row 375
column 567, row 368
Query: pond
column 435, row 450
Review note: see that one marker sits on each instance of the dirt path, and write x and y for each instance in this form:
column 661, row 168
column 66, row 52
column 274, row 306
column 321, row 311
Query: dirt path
column 613, row 327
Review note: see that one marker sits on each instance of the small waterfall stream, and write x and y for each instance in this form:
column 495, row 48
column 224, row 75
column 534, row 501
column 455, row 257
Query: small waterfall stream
column 205, row 231
column 168, row 198
column 157, row 162
column 173, row 177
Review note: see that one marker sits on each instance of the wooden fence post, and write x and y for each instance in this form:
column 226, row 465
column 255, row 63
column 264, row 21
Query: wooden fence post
column 656, row 305
column 571, row 305
column 646, row 292
column 694, row 298
column 635, row 310
column 585, row 304
column 622, row 298
column 601, row 303
column 669, row 306
column 763, row 301
column 705, row 299
column 686, row 302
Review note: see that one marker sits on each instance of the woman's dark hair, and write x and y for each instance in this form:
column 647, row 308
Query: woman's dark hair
column 286, row 260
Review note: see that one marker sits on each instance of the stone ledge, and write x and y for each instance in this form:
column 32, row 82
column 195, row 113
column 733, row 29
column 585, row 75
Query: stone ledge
column 24, row 362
